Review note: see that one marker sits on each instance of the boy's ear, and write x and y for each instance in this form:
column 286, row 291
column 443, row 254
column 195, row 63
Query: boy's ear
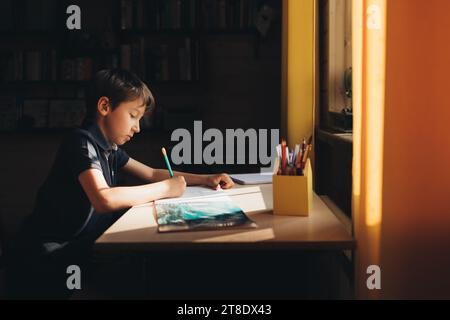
column 103, row 106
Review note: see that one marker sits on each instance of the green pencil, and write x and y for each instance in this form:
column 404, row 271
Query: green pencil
column 167, row 162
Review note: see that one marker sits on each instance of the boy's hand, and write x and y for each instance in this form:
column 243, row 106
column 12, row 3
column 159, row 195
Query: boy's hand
column 177, row 186
column 223, row 180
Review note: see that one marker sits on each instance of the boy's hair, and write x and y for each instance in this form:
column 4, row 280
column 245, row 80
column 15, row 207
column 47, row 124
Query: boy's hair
column 119, row 86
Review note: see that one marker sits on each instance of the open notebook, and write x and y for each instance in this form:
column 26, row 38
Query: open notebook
column 200, row 209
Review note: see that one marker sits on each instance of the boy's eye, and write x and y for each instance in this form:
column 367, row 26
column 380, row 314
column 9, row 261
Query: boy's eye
column 133, row 115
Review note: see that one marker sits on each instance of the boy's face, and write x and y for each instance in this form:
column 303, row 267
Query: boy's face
column 123, row 122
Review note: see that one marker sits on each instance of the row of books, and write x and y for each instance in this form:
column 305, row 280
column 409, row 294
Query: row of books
column 177, row 61
column 188, row 14
column 78, row 69
column 137, row 14
column 159, row 14
column 38, row 65
column 157, row 62
column 40, row 113
column 28, row 65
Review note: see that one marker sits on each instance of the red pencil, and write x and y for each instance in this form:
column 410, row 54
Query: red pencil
column 283, row 156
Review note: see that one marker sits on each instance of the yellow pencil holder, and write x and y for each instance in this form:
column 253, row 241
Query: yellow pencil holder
column 292, row 195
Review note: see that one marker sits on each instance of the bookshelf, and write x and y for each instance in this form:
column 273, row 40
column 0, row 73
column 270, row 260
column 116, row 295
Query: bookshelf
column 45, row 68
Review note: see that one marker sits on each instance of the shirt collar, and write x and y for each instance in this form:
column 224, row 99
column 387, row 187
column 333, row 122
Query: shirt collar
column 98, row 136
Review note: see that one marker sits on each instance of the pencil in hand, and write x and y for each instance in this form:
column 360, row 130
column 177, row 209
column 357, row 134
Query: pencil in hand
column 167, row 162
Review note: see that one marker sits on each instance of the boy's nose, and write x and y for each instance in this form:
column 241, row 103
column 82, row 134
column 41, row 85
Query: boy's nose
column 136, row 128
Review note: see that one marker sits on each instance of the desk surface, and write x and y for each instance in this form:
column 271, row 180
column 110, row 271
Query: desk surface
column 136, row 230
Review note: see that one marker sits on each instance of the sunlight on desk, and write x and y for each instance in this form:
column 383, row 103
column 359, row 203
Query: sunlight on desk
column 242, row 190
column 247, row 236
column 142, row 217
column 252, row 202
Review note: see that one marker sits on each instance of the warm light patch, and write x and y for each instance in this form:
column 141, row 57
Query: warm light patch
column 369, row 63
column 375, row 71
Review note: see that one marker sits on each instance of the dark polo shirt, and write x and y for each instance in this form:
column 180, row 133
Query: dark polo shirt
column 63, row 226
column 63, row 212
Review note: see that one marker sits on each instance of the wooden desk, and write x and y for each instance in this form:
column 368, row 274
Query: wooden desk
column 136, row 230
column 287, row 257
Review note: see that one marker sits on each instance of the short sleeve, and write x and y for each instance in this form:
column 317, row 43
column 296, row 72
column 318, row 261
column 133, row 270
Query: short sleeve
column 122, row 158
column 81, row 154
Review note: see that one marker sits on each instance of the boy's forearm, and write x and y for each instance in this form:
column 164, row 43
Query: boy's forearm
column 118, row 198
column 191, row 179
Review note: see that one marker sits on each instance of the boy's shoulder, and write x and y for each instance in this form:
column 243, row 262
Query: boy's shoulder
column 78, row 136
column 76, row 141
column 78, row 152
column 89, row 137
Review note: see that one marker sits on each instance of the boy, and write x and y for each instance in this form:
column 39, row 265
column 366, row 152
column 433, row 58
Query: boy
column 79, row 199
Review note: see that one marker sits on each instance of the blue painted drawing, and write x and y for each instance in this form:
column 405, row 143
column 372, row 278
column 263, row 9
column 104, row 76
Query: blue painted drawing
column 200, row 216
